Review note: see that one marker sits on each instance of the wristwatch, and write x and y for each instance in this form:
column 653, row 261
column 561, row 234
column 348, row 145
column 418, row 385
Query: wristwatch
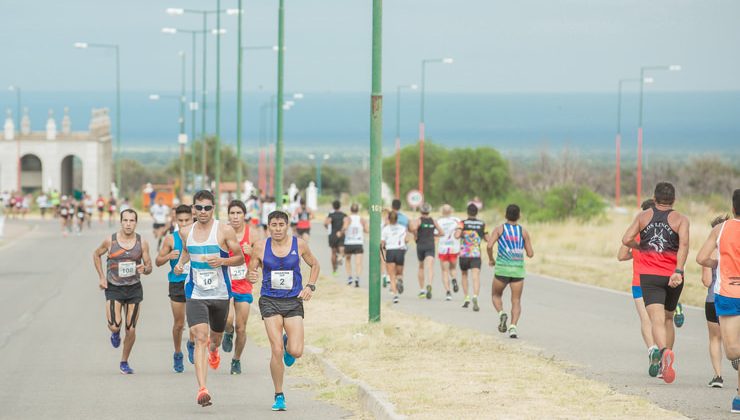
column 679, row 271
column 311, row 286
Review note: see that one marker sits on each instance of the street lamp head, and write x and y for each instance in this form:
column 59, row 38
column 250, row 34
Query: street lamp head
column 181, row 53
column 221, row 31
column 233, row 12
column 290, row 103
column 81, row 45
column 286, row 107
column 648, row 80
column 297, row 96
column 311, row 156
column 674, row 67
column 414, row 86
column 153, row 97
column 169, row 30
column 326, row 156
column 447, row 60
column 175, row 11
column 11, row 88
column 275, row 48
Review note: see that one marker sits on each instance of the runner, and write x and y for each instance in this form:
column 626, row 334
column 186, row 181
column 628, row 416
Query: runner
column 65, row 215
column 513, row 241
column 626, row 254
column 292, row 209
column 354, row 229
column 449, row 249
column 664, row 246
column 303, row 216
column 393, row 242
column 268, row 206
column 55, row 201
column 402, row 218
column 160, row 212
column 43, row 202
column 241, row 288
column 725, row 240
column 424, row 228
column 128, row 259
column 334, row 222
column 709, row 279
column 80, row 220
column 89, row 208
column 282, row 295
column 100, row 204
column 111, row 209
column 471, row 233
column 208, row 288
column 170, row 252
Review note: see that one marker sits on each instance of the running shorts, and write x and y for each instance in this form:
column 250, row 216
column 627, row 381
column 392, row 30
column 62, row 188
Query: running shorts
column 336, row 241
column 710, row 312
column 726, row 306
column 467, row 263
column 243, row 297
column 126, row 295
column 395, row 256
column 208, row 311
column 507, row 279
column 655, row 290
column 285, row 307
column 424, row 251
column 450, row 258
column 177, row 291
column 353, row 249
column 636, row 292
column 302, row 232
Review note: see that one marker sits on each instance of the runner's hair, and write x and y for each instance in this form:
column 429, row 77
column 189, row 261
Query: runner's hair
column 184, row 208
column 719, row 219
column 277, row 214
column 130, row 210
column 512, row 212
column 204, row 195
column 472, row 210
column 736, row 202
column 237, row 203
column 336, row 204
column 649, row 203
column 665, row 193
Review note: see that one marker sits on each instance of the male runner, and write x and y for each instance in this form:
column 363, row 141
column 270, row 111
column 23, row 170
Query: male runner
column 128, row 259
column 402, row 218
column 393, row 242
column 471, row 233
column 100, row 204
column 709, row 279
column 268, row 206
column 160, row 212
column 80, row 220
column 282, row 295
column 664, row 246
column 89, row 208
column 65, row 215
column 303, row 216
column 334, row 222
column 170, row 252
column 513, row 240
column 241, row 288
column 725, row 239
column 207, row 291
column 424, row 228
column 353, row 229
column 449, row 249
column 111, row 209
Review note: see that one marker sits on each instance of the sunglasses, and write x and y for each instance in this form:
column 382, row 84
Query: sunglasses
column 198, row 207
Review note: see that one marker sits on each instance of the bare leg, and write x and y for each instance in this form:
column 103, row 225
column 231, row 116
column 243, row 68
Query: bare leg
column 429, row 269
column 420, row 274
column 464, row 281
column 657, row 314
column 645, row 327
column 497, row 293
column 178, row 315
column 230, row 318
column 445, row 274
column 715, row 347
column 113, row 314
column 516, row 300
column 242, row 315
column 476, row 281
column 294, row 328
column 670, row 331
column 132, row 316
column 391, row 269
column 200, row 333
column 348, row 264
column 274, row 329
column 358, row 265
column 729, row 328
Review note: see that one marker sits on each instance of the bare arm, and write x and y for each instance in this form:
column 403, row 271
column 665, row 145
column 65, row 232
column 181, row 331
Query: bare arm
column 312, row 262
column 365, row 226
column 492, row 238
column 527, row 243
column 146, row 267
column 167, row 252
column 345, row 224
column 440, row 233
column 99, row 252
column 184, row 255
column 704, row 257
column 232, row 244
column 624, row 253
column 255, row 261
column 706, row 276
column 683, row 243
column 327, row 221
column 628, row 239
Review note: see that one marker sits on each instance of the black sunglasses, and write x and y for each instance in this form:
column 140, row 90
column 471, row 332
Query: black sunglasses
column 201, row 208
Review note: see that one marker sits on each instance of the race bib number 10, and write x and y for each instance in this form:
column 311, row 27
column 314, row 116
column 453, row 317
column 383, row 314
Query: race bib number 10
column 126, row 269
column 281, row 279
column 206, row 279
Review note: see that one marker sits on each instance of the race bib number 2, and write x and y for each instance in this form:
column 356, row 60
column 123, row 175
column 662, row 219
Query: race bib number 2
column 126, row 269
column 282, row 279
column 206, row 279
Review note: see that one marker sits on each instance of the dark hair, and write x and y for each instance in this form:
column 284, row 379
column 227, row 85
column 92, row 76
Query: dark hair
column 396, row 204
column 237, row 203
column 303, row 201
column 277, row 214
column 512, row 212
column 719, row 219
column 665, row 193
column 354, row 208
column 130, row 210
column 393, row 217
column 336, row 204
column 183, row 208
column 736, row 202
column 649, row 203
column 204, row 195
column 472, row 210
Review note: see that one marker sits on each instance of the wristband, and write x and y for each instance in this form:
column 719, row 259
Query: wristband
column 679, row 271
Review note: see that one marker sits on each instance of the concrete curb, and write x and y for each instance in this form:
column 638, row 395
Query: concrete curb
column 375, row 402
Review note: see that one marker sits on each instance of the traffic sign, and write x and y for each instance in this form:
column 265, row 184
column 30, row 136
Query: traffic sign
column 414, row 198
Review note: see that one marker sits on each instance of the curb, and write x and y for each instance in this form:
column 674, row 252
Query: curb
column 375, row 402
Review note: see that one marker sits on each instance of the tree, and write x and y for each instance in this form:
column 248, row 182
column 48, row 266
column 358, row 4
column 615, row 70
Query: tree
column 228, row 161
column 466, row 173
column 332, row 180
column 409, row 168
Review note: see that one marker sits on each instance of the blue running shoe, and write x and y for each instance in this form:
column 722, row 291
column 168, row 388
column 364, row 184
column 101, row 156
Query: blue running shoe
column 735, row 405
column 126, row 369
column 177, row 362
column 287, row 358
column 654, row 362
column 191, row 352
column 115, row 339
column 678, row 316
column 279, row 403
column 228, row 342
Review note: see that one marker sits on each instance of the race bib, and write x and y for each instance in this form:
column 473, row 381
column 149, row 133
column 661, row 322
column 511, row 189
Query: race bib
column 238, row 272
column 126, row 269
column 206, row 279
column 281, row 279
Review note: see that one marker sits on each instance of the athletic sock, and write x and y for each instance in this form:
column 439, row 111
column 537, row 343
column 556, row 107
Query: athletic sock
column 278, row 394
column 501, row 312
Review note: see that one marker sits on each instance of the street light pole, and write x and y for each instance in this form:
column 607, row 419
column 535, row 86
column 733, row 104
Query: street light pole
column 280, row 70
column 421, row 119
column 618, row 176
column 17, row 90
column 398, row 136
column 376, row 146
column 182, row 138
column 239, row 106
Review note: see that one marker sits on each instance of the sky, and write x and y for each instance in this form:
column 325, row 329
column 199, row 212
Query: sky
column 497, row 46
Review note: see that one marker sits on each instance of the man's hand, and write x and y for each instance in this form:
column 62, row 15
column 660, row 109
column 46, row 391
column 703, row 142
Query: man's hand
column 675, row 280
column 305, row 294
column 103, row 283
column 174, row 255
column 246, row 248
column 140, row 268
column 178, row 269
column 215, row 262
column 253, row 276
column 491, row 263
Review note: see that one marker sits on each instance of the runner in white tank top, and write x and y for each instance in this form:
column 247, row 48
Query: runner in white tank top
column 354, row 229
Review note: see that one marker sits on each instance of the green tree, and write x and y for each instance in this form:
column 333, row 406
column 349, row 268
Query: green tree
column 333, row 182
column 228, row 161
column 409, row 169
column 468, row 172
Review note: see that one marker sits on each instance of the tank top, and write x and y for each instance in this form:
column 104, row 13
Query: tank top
column 710, row 289
column 304, row 221
column 510, row 258
column 122, row 262
column 177, row 246
column 425, row 233
column 281, row 276
column 635, row 267
column 658, row 245
column 206, row 282
column 728, row 262
column 238, row 274
column 355, row 234
column 448, row 244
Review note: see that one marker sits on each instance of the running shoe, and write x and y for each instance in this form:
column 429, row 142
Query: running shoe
column 287, row 358
column 349, row 281
column 502, row 322
column 203, row 398
column 476, row 308
column 735, row 405
column 279, row 404
column 678, row 316
column 716, row 382
column 385, row 281
column 654, row 362
column 191, row 352
column 399, row 286
column 512, row 332
column 455, row 287
column 448, row 296
column 126, row 369
column 236, row 367
column 667, row 359
column 228, row 342
column 466, row 302
column 177, row 365
column 395, row 298
column 214, row 359
column 422, row 294
column 334, row 273
column 357, row 282
column 429, row 291
column 115, row 339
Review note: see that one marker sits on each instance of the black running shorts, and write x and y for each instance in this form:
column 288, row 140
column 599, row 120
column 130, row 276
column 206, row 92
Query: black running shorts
column 395, row 256
column 467, row 263
column 207, row 311
column 285, row 307
column 507, row 279
column 177, row 291
column 353, row 249
column 126, row 295
column 655, row 290
column 336, row 241
column 423, row 251
column 710, row 312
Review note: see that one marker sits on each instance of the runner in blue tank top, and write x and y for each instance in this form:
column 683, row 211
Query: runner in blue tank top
column 282, row 295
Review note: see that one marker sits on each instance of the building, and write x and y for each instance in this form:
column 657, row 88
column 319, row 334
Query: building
column 66, row 161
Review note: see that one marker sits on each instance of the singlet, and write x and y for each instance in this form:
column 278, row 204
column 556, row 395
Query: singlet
column 394, row 237
column 425, row 233
column 159, row 213
column 355, row 234
column 281, row 276
column 304, row 219
column 177, row 246
column 636, row 266
column 64, row 210
column 238, row 274
column 122, row 262
column 100, row 203
column 728, row 262
column 658, row 246
column 710, row 289
column 206, row 282
column 337, row 222
column 510, row 258
column 448, row 244
column 403, row 220
column 473, row 232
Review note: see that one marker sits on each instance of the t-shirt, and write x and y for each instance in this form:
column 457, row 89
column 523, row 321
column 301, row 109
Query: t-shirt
column 159, row 213
column 337, row 222
column 394, row 236
column 473, row 232
column 403, row 220
column 448, row 244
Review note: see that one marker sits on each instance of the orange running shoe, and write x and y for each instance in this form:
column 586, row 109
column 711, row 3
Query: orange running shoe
column 669, row 374
column 204, row 398
column 214, row 359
